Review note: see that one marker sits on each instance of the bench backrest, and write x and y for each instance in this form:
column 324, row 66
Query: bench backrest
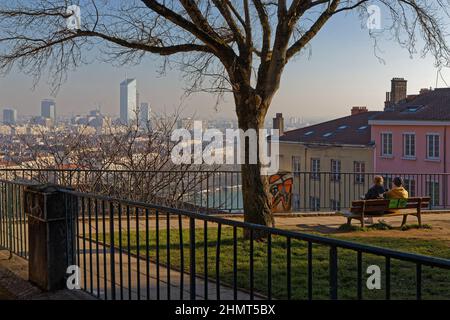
column 383, row 204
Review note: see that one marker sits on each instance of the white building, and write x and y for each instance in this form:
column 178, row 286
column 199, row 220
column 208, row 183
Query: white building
column 128, row 101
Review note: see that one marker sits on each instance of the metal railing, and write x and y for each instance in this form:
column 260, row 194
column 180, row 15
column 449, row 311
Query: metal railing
column 13, row 220
column 133, row 250
column 221, row 191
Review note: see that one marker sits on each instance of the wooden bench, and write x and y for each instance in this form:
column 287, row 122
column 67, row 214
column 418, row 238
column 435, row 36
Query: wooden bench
column 362, row 209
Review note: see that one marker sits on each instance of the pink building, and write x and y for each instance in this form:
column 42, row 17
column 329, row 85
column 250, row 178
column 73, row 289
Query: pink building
column 412, row 139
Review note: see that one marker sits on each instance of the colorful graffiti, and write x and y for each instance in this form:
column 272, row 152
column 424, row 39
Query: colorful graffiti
column 281, row 185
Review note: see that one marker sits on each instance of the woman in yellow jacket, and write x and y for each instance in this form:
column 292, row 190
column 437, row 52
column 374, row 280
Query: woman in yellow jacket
column 397, row 191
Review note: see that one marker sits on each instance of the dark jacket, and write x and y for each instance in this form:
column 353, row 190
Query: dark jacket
column 375, row 192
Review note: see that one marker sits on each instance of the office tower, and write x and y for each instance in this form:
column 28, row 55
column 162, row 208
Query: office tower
column 128, row 101
column 9, row 116
column 48, row 109
column 144, row 113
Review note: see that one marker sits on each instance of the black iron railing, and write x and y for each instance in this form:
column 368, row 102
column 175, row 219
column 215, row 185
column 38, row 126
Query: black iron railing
column 13, row 221
column 221, row 191
column 133, row 250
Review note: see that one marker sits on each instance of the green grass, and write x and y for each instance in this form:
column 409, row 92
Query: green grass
column 435, row 283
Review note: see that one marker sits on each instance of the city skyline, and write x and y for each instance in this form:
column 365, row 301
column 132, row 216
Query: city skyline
column 353, row 77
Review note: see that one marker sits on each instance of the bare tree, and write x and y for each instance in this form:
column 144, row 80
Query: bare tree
column 235, row 46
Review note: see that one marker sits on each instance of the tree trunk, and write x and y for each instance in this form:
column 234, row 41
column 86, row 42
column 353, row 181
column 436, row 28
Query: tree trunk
column 255, row 187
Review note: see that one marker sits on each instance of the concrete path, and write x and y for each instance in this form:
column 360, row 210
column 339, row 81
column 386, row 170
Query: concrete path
column 14, row 283
column 134, row 284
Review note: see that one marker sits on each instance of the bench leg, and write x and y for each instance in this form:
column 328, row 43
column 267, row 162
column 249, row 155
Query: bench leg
column 419, row 219
column 363, row 224
column 404, row 219
column 349, row 221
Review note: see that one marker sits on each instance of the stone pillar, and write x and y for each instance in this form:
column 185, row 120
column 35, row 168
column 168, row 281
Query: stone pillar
column 51, row 226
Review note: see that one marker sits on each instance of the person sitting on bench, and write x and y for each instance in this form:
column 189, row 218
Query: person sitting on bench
column 397, row 191
column 377, row 190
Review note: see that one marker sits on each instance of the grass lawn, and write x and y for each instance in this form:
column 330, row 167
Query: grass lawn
column 435, row 282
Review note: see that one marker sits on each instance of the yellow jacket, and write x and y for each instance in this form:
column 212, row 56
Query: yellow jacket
column 397, row 193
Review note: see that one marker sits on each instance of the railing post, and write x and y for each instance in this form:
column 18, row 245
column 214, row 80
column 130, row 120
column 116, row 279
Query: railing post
column 48, row 235
column 192, row 258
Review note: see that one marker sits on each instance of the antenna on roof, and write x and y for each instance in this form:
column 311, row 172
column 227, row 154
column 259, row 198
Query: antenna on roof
column 439, row 74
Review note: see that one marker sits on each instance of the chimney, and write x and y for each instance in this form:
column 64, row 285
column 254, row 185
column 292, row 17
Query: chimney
column 398, row 90
column 278, row 123
column 358, row 110
column 424, row 90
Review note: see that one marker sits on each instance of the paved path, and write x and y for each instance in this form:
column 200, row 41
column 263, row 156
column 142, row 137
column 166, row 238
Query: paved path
column 14, row 283
column 172, row 284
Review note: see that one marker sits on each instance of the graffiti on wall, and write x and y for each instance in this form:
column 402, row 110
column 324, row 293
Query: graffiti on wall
column 281, row 185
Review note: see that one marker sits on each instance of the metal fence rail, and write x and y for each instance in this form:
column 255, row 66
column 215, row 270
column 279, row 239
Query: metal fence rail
column 13, row 221
column 221, row 191
column 133, row 250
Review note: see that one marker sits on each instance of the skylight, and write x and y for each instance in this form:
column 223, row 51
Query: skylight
column 412, row 109
column 343, row 127
column 309, row 133
column 326, row 135
column 362, row 128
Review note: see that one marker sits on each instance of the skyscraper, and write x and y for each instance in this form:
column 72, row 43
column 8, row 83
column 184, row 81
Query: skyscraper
column 48, row 109
column 144, row 114
column 128, row 100
column 9, row 116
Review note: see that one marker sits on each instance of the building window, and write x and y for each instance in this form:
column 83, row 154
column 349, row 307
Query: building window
column 433, row 146
column 295, row 165
column 409, row 145
column 386, row 144
column 315, row 168
column 433, row 192
column 410, row 185
column 359, row 168
column 314, row 204
column 335, row 205
column 335, row 170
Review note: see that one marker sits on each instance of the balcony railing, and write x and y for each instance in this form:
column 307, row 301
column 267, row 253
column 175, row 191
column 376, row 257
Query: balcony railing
column 221, row 191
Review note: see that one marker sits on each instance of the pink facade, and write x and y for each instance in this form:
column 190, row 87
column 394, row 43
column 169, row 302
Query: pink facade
column 418, row 164
column 420, row 159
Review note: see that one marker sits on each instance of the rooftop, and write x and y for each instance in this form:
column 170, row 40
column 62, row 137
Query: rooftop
column 349, row 130
column 429, row 106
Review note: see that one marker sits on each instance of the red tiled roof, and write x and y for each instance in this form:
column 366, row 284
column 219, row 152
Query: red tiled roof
column 429, row 106
column 349, row 130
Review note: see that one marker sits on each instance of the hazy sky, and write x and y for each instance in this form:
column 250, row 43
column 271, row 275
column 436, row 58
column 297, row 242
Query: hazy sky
column 342, row 71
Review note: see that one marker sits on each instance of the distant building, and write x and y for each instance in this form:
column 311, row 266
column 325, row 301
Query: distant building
column 144, row 114
column 10, row 116
column 42, row 121
column 414, row 140
column 128, row 101
column 94, row 119
column 321, row 154
column 48, row 109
